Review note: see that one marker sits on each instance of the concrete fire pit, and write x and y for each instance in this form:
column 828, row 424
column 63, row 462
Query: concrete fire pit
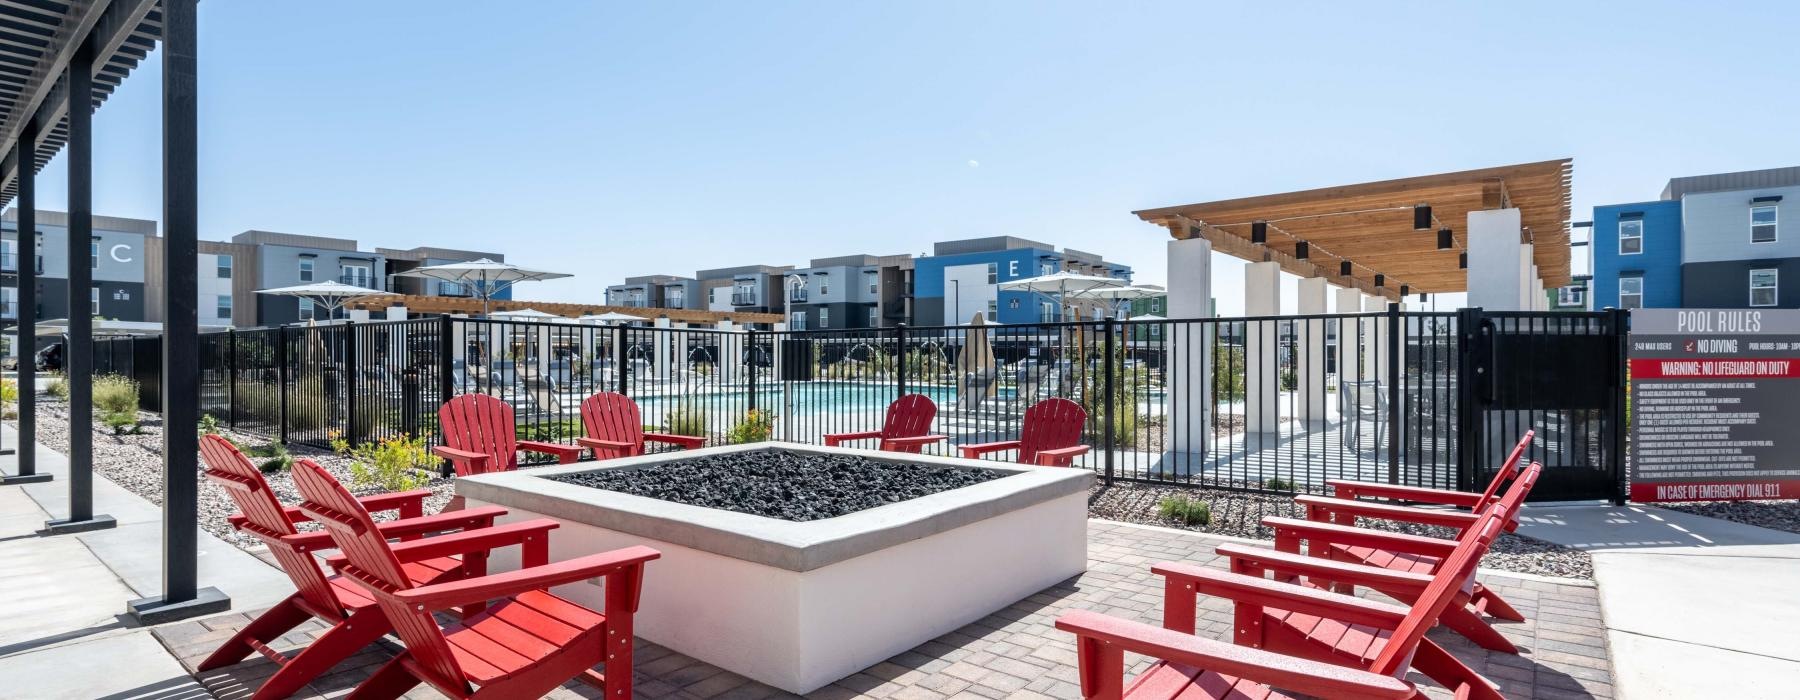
column 799, row 604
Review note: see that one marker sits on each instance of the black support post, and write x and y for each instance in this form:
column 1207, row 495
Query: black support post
column 78, row 346
column 181, row 597
column 27, row 336
column 281, row 383
column 900, row 359
column 446, row 376
column 748, row 351
column 1620, row 321
column 1396, row 389
column 346, row 384
column 1107, row 397
column 619, row 338
column 231, row 376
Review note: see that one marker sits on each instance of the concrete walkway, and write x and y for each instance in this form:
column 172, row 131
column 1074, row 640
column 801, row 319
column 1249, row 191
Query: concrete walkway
column 1695, row 607
column 62, row 621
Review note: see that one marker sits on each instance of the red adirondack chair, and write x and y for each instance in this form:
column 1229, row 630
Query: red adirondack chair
column 351, row 613
column 481, row 437
column 615, row 428
column 1342, row 488
column 526, row 640
column 1371, row 645
column 905, row 428
column 1330, row 532
column 1051, row 435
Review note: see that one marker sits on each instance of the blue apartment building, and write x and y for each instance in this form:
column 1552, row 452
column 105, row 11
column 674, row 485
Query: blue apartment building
column 961, row 279
column 1710, row 241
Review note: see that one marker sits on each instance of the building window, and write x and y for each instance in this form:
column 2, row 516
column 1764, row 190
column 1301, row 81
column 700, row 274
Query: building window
column 1765, row 287
column 9, row 302
column 357, row 276
column 993, row 311
column 223, row 308
column 306, row 269
column 824, row 317
column 94, row 300
column 1046, row 268
column 224, row 271
column 1631, row 292
column 675, row 298
column 874, row 317
column 1046, row 312
column 93, row 255
column 993, row 273
column 455, row 289
column 1570, row 295
column 797, row 321
column 874, row 280
column 306, row 310
column 824, row 285
column 1631, row 236
column 9, row 256
column 1762, row 224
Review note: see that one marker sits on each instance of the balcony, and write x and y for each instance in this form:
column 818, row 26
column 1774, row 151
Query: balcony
column 354, row 280
column 797, row 294
column 743, row 298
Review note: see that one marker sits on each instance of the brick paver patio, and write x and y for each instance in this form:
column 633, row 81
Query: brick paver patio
column 1017, row 653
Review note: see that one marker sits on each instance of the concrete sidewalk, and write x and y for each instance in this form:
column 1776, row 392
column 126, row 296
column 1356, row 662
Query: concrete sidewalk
column 62, row 629
column 1695, row 607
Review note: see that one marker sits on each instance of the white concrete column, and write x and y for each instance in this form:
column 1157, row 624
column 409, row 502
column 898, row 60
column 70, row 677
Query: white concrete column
column 1375, row 350
column 396, row 313
column 1496, row 260
column 731, row 351
column 1189, row 402
column 359, row 315
column 662, row 344
column 1309, row 352
column 1262, row 348
column 1349, row 336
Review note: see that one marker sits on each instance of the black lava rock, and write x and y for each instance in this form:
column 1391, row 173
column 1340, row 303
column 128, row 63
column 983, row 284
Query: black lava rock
column 797, row 486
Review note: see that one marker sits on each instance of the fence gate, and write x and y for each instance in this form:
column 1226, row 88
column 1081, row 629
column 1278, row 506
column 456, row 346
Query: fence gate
column 1559, row 373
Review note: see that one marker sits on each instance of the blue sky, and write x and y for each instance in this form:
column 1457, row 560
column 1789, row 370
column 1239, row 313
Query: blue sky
column 632, row 138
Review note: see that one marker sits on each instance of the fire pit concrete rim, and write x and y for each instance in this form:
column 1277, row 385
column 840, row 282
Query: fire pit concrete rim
column 795, row 546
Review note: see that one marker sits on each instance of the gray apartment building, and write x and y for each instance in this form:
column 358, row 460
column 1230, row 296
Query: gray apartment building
column 749, row 288
column 851, row 291
column 116, row 255
column 399, row 261
column 656, row 292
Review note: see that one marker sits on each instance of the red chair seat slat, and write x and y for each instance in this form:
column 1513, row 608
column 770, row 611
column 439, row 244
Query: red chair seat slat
column 1167, row 681
column 514, row 635
column 1393, row 561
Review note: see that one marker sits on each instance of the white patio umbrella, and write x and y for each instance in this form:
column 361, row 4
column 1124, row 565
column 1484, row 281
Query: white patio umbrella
column 1119, row 295
column 1061, row 285
column 331, row 295
column 611, row 317
column 975, row 370
column 485, row 276
column 523, row 313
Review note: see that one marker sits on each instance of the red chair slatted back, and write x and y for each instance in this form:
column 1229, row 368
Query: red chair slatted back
column 909, row 416
column 1050, row 425
column 1510, row 468
column 610, row 415
column 372, row 562
column 483, row 424
column 1396, row 655
column 267, row 520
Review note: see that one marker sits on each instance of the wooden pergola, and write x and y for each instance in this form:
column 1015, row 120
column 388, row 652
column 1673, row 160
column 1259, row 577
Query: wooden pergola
column 472, row 306
column 1374, row 227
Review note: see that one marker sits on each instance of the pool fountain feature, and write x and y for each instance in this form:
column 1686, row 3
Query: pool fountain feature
column 798, row 565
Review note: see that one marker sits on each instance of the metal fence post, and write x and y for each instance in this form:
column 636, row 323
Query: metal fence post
column 347, row 384
column 619, row 337
column 749, row 361
column 900, row 358
column 281, row 382
column 1396, row 326
column 1468, row 412
column 1107, row 397
column 446, row 360
column 231, row 375
column 1621, row 328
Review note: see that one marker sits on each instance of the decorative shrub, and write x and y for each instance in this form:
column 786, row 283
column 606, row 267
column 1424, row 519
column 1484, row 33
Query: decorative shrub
column 274, row 456
column 394, row 464
column 209, row 425
column 9, row 391
column 1278, row 484
column 115, row 394
column 121, row 423
column 552, row 431
column 756, row 426
column 58, row 388
column 1185, row 510
column 686, row 419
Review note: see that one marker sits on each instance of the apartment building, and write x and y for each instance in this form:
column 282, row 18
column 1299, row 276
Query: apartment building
column 116, row 256
column 962, row 279
column 1710, row 241
column 399, row 261
column 657, row 292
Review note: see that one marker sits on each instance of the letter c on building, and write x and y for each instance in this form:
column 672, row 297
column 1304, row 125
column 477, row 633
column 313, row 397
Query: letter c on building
column 117, row 255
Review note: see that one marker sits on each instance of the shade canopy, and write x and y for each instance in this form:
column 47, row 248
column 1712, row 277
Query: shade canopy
column 1376, row 226
column 486, row 277
column 523, row 313
column 330, row 295
column 1061, row 283
column 1122, row 293
column 611, row 317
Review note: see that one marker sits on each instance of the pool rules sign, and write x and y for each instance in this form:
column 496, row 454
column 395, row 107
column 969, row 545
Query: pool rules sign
column 1715, row 404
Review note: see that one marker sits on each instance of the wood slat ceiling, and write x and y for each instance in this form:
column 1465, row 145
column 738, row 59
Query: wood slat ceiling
column 38, row 38
column 1371, row 224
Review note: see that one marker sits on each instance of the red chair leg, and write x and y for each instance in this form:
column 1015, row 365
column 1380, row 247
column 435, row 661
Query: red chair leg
column 1438, row 665
column 390, row 681
column 337, row 644
column 1468, row 624
column 268, row 626
column 1491, row 603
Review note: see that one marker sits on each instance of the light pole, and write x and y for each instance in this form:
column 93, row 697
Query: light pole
column 956, row 312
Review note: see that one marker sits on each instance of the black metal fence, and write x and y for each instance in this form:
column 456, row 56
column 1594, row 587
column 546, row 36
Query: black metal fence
column 1268, row 404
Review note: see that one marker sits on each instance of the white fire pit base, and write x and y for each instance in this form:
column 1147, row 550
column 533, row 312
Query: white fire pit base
column 798, row 605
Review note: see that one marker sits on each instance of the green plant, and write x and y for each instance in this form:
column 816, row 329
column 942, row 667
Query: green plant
column 1278, row 484
column 685, row 419
column 275, row 458
column 116, row 394
column 209, row 424
column 9, row 391
column 756, row 426
column 58, row 388
column 121, row 423
column 1185, row 510
column 394, row 464
column 1289, row 382
column 553, row 431
column 1228, row 372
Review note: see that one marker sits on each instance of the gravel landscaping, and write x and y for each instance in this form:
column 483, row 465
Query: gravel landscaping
column 135, row 463
column 1238, row 514
column 776, row 483
column 1775, row 515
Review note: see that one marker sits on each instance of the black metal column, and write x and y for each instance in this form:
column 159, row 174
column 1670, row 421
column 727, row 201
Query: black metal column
column 181, row 597
column 1396, row 389
column 78, row 348
column 27, row 314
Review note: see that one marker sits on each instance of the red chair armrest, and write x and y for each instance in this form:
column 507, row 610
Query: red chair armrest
column 1295, row 564
column 687, row 442
column 565, row 454
column 1290, row 529
column 973, row 451
column 470, row 462
column 447, row 595
column 1260, row 591
column 1061, row 456
column 1322, row 508
column 393, row 501
column 916, row 440
column 1117, row 636
column 832, row 439
column 480, row 540
column 1412, row 494
column 606, row 449
column 465, row 519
